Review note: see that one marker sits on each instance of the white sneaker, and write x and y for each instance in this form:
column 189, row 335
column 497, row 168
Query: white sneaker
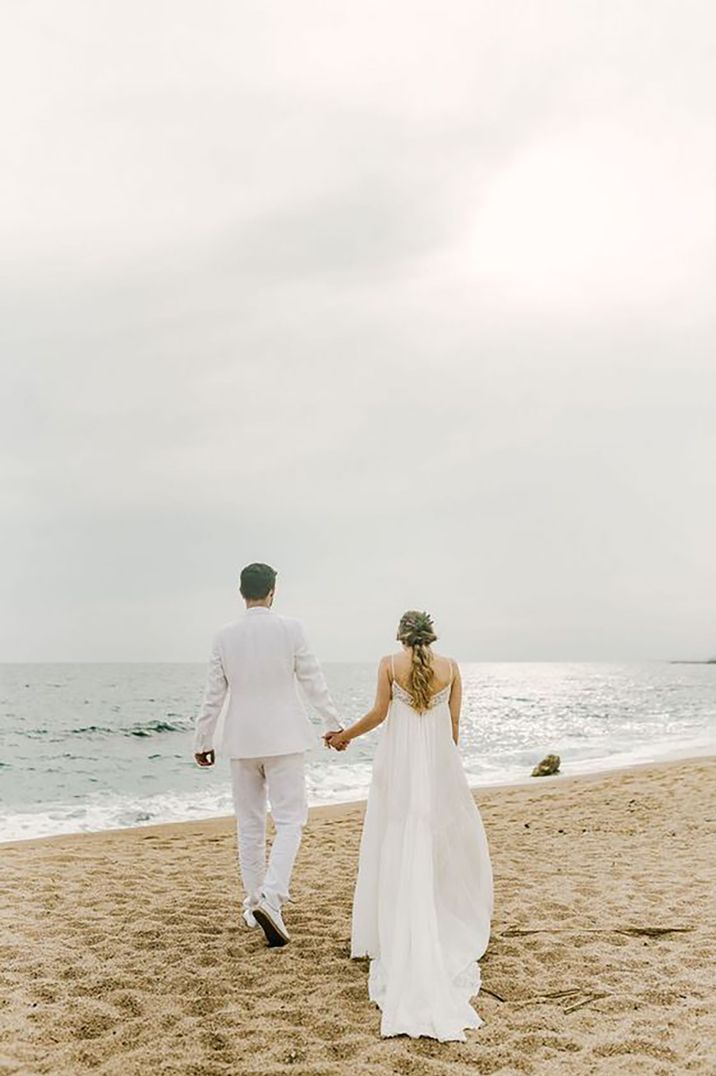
column 249, row 918
column 269, row 919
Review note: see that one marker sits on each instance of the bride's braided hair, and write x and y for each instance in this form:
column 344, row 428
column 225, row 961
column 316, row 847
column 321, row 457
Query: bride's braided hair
column 416, row 631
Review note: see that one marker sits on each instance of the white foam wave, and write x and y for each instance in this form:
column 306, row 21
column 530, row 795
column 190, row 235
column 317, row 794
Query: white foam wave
column 326, row 785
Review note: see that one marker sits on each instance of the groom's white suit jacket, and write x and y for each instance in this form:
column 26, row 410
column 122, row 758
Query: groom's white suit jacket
column 259, row 661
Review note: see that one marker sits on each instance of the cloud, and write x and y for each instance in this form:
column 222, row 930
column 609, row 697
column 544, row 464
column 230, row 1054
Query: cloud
column 417, row 307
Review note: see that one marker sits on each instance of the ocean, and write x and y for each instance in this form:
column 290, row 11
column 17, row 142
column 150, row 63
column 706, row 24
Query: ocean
column 94, row 746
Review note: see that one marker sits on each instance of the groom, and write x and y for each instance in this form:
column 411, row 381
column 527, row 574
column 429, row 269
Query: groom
column 258, row 660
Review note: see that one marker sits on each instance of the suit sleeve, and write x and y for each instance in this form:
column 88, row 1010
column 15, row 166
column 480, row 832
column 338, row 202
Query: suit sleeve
column 214, row 694
column 310, row 676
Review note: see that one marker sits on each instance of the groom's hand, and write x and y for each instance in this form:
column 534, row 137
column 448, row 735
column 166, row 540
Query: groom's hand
column 333, row 739
column 204, row 758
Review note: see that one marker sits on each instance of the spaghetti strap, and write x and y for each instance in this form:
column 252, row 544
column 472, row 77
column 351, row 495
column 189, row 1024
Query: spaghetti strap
column 452, row 672
column 392, row 669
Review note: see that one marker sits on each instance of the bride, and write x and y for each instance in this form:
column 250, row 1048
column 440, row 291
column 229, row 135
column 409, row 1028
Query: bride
column 423, row 898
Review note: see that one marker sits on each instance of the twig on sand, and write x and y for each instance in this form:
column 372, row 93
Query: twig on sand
column 560, row 993
column 655, row 932
column 587, row 1001
column 556, row 997
column 563, row 997
column 492, row 993
column 651, row 932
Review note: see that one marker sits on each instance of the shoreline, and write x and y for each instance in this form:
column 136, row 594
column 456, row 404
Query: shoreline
column 340, row 807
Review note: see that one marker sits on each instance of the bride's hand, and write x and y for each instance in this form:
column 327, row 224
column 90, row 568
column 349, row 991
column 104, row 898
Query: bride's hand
column 337, row 740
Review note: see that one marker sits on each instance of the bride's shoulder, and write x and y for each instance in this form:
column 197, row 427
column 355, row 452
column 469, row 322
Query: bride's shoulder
column 389, row 663
column 449, row 663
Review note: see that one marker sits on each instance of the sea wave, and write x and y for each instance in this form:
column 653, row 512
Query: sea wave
column 153, row 727
column 339, row 784
column 81, row 759
column 104, row 812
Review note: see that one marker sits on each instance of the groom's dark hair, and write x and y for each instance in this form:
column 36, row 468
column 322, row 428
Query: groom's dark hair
column 257, row 580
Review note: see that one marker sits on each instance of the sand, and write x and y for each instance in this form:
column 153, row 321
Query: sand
column 123, row 953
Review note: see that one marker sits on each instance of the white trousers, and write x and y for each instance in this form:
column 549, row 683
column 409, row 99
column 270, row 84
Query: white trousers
column 282, row 779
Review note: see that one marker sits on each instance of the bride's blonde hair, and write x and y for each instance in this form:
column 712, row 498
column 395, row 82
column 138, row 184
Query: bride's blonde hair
column 416, row 631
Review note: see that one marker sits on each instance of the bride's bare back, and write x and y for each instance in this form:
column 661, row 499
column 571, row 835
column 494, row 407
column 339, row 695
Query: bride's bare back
column 443, row 669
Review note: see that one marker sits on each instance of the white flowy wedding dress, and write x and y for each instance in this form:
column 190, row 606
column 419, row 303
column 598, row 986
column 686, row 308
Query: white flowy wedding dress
column 424, row 898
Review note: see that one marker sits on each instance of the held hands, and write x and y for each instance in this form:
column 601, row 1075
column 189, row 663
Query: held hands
column 337, row 740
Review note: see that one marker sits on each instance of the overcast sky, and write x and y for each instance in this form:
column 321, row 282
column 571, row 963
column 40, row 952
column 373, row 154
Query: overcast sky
column 413, row 300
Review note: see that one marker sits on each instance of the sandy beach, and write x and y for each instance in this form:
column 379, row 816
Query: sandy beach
column 123, row 953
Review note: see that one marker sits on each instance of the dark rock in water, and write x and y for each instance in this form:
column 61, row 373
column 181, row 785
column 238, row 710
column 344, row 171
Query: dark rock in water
column 548, row 765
